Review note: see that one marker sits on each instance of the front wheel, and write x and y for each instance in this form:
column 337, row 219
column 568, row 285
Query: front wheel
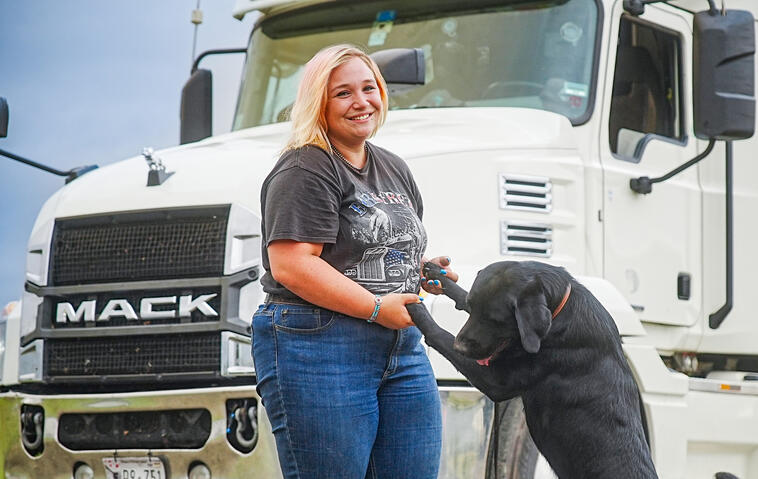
column 512, row 453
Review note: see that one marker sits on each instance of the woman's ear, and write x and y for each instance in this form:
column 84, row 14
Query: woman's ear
column 532, row 315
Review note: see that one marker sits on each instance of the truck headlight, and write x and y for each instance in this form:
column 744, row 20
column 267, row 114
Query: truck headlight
column 29, row 308
column 243, row 240
column 38, row 252
column 236, row 355
column 30, row 362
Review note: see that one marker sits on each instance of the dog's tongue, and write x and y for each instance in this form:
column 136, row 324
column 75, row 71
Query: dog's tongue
column 484, row 362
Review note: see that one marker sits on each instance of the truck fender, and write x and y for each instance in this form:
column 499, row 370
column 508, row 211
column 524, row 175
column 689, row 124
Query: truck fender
column 627, row 321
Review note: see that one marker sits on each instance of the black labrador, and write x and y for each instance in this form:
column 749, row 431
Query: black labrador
column 534, row 331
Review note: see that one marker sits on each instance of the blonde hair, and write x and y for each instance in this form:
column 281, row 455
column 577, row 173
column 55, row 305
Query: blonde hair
column 309, row 110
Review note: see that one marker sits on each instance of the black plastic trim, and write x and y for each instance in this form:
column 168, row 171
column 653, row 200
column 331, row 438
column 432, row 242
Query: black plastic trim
column 718, row 317
column 228, row 315
column 146, row 429
column 222, row 51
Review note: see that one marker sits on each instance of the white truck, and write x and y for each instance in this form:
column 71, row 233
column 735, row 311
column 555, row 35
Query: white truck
column 536, row 129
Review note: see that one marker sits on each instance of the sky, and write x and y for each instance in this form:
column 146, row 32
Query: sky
column 92, row 82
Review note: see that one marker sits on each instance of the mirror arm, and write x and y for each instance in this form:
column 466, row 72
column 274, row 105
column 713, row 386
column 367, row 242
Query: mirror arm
column 715, row 319
column 222, row 51
column 637, row 7
column 644, row 185
column 712, row 7
column 70, row 175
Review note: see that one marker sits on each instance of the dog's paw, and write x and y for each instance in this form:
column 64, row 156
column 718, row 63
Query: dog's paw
column 433, row 271
column 725, row 475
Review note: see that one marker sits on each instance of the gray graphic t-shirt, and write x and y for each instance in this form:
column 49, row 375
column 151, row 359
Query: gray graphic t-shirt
column 369, row 220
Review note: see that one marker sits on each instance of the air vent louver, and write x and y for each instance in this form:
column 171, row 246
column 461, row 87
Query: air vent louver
column 531, row 193
column 530, row 239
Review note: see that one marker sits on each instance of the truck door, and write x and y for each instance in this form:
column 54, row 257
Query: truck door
column 652, row 243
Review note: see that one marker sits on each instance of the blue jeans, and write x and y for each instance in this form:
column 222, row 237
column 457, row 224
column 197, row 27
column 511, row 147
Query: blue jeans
column 346, row 398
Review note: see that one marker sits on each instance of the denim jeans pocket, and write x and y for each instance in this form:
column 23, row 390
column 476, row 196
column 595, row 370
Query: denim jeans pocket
column 300, row 319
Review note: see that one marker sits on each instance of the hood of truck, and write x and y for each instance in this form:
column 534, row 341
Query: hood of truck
column 461, row 159
column 230, row 168
column 458, row 157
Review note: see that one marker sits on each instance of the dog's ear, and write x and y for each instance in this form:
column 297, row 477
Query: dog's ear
column 532, row 315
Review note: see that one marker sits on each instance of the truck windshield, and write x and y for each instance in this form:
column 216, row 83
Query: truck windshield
column 483, row 53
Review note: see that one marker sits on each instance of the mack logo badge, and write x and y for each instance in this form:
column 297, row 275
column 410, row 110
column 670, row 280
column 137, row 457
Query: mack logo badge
column 86, row 311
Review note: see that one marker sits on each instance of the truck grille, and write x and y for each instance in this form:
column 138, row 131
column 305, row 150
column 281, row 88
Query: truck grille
column 531, row 193
column 133, row 355
column 147, row 245
column 175, row 429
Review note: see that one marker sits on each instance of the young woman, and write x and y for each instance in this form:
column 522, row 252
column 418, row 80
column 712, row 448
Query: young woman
column 346, row 384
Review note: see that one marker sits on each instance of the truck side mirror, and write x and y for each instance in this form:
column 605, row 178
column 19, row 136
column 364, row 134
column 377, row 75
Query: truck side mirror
column 196, row 120
column 723, row 80
column 3, row 118
column 402, row 68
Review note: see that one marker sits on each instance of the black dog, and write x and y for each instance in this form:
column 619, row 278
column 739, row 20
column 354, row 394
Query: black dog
column 535, row 332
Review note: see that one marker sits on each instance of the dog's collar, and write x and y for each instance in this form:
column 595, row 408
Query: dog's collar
column 563, row 301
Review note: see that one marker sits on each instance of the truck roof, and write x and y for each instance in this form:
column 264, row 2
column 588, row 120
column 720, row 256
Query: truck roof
column 243, row 7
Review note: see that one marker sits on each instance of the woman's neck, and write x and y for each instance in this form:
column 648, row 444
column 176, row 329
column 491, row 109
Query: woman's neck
column 353, row 154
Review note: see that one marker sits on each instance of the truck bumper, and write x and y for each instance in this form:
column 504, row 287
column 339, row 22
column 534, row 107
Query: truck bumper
column 467, row 420
column 55, row 461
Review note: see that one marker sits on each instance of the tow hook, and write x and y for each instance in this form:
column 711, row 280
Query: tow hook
column 32, row 425
column 242, row 424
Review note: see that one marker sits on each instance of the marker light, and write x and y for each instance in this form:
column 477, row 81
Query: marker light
column 83, row 471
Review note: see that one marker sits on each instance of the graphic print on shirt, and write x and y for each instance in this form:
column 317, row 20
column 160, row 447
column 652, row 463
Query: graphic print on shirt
column 392, row 240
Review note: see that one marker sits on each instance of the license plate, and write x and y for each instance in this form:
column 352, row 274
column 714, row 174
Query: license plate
column 134, row 468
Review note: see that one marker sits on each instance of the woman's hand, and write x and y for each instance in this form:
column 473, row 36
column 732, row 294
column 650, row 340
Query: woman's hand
column 434, row 286
column 392, row 313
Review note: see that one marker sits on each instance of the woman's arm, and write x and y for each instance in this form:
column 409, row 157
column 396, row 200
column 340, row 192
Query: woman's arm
column 299, row 267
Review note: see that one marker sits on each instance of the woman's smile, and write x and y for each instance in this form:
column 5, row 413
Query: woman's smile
column 361, row 117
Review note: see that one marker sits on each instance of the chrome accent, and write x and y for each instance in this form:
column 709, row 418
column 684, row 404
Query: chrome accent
column 157, row 174
column 526, row 193
column 467, row 418
column 32, row 428
column 153, row 163
column 117, row 307
column 242, row 424
column 236, row 355
column 526, row 239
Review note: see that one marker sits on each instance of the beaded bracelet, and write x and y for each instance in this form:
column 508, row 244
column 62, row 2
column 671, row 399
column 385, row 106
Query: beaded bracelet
column 377, row 305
